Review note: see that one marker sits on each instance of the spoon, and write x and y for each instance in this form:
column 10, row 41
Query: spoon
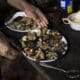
column 70, row 73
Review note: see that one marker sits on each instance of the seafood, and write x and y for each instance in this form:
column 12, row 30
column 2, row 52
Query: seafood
column 23, row 23
column 43, row 46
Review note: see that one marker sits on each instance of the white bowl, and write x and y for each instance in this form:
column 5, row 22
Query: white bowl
column 73, row 25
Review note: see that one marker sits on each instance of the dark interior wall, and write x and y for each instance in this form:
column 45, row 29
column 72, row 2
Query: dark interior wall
column 76, row 5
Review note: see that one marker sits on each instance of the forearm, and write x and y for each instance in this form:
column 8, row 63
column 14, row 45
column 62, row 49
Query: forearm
column 6, row 50
column 19, row 4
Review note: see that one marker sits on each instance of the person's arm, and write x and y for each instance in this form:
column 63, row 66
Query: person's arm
column 6, row 50
column 30, row 10
column 19, row 4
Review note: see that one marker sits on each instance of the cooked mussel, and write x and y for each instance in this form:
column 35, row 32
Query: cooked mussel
column 45, row 45
column 23, row 23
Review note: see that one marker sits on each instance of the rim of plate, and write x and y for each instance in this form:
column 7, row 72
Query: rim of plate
column 66, row 48
column 17, row 14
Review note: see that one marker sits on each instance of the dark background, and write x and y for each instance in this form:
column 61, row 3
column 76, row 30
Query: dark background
column 70, row 61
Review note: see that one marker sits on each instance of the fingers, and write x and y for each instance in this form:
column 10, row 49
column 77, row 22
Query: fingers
column 11, row 54
column 42, row 17
column 43, row 23
column 40, row 22
column 38, row 17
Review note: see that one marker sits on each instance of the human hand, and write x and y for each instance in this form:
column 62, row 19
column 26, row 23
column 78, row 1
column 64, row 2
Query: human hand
column 36, row 15
column 31, row 11
column 6, row 50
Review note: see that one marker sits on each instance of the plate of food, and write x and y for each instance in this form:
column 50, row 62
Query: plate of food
column 43, row 45
column 19, row 22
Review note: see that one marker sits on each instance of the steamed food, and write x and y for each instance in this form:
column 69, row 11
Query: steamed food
column 43, row 45
column 23, row 23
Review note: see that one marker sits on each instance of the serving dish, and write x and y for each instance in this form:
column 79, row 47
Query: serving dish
column 19, row 20
column 44, row 45
column 20, row 23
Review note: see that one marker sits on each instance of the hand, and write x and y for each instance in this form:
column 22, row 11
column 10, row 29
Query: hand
column 30, row 11
column 5, row 49
column 36, row 15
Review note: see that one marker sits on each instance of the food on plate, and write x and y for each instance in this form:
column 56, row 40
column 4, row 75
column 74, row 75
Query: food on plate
column 23, row 23
column 43, row 46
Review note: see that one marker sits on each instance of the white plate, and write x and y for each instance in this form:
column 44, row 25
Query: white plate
column 49, row 60
column 17, row 14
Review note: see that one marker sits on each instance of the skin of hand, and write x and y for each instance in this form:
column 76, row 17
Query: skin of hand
column 31, row 11
column 6, row 50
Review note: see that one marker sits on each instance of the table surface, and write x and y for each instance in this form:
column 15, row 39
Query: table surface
column 70, row 61
column 72, row 58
